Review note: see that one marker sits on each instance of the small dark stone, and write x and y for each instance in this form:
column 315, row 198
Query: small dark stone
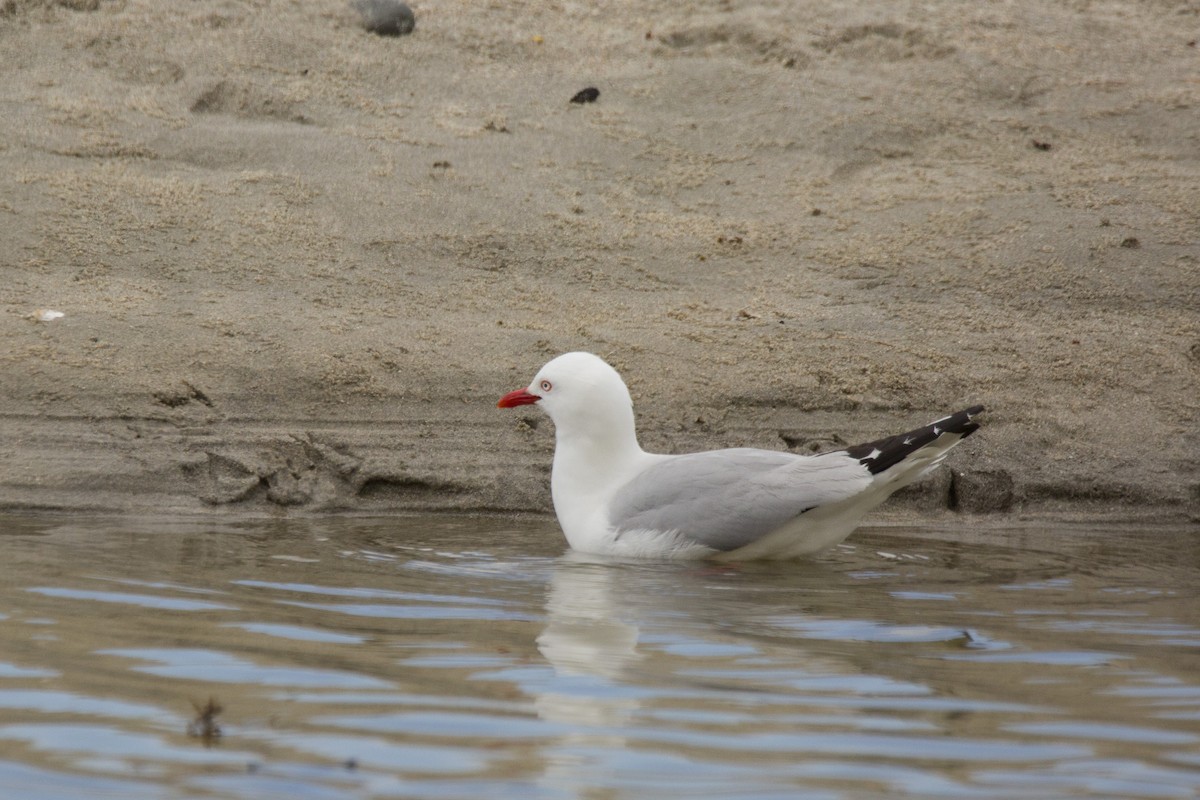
column 386, row 17
column 1042, row 145
column 587, row 95
column 982, row 491
column 1130, row 242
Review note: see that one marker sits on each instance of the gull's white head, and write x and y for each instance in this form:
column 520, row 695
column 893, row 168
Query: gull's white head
column 581, row 393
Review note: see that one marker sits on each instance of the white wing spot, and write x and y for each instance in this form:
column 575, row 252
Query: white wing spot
column 876, row 453
column 937, row 431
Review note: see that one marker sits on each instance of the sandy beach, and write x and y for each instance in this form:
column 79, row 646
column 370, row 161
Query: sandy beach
column 298, row 262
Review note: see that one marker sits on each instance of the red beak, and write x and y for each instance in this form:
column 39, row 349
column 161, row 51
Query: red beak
column 521, row 397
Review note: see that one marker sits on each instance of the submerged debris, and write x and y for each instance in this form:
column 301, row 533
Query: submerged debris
column 204, row 727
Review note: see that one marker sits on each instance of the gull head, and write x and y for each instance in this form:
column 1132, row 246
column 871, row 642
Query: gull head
column 581, row 393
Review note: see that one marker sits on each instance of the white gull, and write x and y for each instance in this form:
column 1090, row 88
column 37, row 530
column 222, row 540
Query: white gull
column 614, row 498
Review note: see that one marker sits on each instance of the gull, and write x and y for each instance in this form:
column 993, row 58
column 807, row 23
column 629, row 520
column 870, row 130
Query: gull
column 613, row 498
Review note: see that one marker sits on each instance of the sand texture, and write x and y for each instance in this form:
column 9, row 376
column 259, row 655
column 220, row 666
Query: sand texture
column 298, row 262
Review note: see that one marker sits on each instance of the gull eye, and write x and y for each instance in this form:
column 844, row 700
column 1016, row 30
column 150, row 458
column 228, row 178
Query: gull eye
column 546, row 386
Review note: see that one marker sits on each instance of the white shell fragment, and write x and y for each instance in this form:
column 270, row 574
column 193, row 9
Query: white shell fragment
column 47, row 315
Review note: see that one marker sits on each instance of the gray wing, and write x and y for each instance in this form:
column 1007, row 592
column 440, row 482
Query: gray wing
column 726, row 499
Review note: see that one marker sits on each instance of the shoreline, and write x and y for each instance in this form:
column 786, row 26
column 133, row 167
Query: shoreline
column 315, row 468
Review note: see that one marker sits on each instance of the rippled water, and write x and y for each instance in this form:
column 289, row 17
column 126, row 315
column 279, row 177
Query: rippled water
column 464, row 657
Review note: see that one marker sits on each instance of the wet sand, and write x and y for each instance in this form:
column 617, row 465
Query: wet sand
column 298, row 262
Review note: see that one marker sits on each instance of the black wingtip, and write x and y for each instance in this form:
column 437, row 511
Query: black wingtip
column 887, row 452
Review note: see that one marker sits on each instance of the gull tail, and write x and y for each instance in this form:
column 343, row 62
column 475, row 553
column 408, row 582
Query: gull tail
column 883, row 454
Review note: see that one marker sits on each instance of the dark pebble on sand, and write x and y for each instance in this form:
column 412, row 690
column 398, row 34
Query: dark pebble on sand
column 982, row 491
column 385, row 17
column 587, row 95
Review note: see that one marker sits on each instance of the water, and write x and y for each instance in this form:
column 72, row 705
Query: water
column 466, row 658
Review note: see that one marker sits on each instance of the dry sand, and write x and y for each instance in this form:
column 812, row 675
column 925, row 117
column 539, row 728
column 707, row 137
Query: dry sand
column 299, row 262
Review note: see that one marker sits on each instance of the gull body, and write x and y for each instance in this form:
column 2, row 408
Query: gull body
column 612, row 497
